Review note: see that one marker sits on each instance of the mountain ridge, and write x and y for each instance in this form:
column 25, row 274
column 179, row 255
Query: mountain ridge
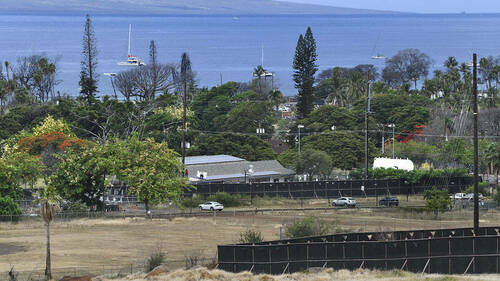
column 176, row 7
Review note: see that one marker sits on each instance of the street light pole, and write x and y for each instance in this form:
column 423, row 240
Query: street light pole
column 383, row 139
column 393, row 141
column 476, row 154
column 366, row 122
column 300, row 127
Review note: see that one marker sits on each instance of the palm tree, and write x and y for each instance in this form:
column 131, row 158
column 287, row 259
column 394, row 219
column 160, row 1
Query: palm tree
column 451, row 63
column 7, row 65
column 258, row 72
column 49, row 200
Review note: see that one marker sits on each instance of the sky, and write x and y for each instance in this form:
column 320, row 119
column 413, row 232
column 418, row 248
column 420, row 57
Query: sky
column 416, row 6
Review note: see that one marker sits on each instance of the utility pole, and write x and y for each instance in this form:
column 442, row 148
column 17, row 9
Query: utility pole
column 383, row 139
column 476, row 154
column 184, row 123
column 366, row 123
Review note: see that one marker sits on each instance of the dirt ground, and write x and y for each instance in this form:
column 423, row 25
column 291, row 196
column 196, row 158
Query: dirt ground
column 98, row 242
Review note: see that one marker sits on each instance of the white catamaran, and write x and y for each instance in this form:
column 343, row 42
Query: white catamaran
column 131, row 60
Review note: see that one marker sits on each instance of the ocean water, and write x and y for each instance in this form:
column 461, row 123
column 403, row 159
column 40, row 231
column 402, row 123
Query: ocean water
column 230, row 47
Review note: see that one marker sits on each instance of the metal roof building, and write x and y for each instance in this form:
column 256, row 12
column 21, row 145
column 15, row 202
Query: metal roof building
column 226, row 168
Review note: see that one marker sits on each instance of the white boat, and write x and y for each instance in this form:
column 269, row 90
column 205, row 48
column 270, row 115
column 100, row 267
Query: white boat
column 131, row 60
column 377, row 56
column 265, row 73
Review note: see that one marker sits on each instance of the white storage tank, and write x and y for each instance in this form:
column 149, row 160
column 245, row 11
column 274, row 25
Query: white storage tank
column 389, row 163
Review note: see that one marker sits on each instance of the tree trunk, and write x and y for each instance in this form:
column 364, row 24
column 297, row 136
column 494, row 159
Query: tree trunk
column 146, row 205
column 48, row 270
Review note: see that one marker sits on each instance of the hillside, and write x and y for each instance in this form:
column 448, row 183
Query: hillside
column 172, row 7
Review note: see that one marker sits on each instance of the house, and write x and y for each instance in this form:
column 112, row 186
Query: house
column 230, row 169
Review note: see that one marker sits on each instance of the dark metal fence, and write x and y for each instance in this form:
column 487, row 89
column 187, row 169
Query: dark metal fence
column 330, row 189
column 447, row 251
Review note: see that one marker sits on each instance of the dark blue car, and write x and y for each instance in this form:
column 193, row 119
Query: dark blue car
column 389, row 201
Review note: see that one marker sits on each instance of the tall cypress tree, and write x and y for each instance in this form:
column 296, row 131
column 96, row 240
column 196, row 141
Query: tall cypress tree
column 305, row 67
column 88, row 74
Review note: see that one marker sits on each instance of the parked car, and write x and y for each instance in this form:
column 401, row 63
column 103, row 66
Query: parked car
column 389, row 201
column 470, row 196
column 211, row 206
column 345, row 201
column 457, row 196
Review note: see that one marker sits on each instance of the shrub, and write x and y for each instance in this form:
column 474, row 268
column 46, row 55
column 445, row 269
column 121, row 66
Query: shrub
column 483, row 189
column 156, row 259
column 190, row 202
column 74, row 207
column 192, row 261
column 9, row 210
column 497, row 197
column 437, row 200
column 251, row 236
column 309, row 226
column 226, row 199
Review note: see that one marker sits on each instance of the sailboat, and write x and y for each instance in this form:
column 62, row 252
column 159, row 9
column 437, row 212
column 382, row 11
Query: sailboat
column 265, row 73
column 131, row 60
column 378, row 56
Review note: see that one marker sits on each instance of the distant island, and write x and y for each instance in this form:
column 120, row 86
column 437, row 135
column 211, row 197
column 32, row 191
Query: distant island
column 174, row 7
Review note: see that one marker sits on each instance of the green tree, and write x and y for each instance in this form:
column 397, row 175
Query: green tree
column 406, row 66
column 418, row 152
column 82, row 175
column 246, row 117
column 248, row 147
column 346, row 149
column 314, row 162
column 210, row 106
column 152, row 170
column 455, row 152
column 276, row 97
column 18, row 167
column 49, row 201
column 405, row 112
column 88, row 74
column 323, row 118
column 437, row 200
column 289, row 159
column 305, row 67
column 9, row 210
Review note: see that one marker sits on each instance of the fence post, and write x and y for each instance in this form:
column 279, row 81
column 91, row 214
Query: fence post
column 270, row 259
column 449, row 254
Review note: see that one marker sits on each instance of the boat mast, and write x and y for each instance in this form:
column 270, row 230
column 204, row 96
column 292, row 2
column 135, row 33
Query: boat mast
column 129, row 32
column 262, row 56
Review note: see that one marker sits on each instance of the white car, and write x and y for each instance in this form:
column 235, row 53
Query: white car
column 211, row 206
column 458, row 196
column 470, row 196
column 345, row 201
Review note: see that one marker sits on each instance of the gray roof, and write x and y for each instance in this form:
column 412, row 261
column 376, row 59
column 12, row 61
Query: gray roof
column 211, row 159
column 231, row 170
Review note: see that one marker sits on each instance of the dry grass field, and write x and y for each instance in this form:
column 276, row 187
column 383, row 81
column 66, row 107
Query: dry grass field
column 98, row 242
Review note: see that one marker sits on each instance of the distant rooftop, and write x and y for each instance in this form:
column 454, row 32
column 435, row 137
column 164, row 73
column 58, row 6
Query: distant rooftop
column 211, row 159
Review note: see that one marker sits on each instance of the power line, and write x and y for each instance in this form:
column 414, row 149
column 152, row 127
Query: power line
column 340, row 131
